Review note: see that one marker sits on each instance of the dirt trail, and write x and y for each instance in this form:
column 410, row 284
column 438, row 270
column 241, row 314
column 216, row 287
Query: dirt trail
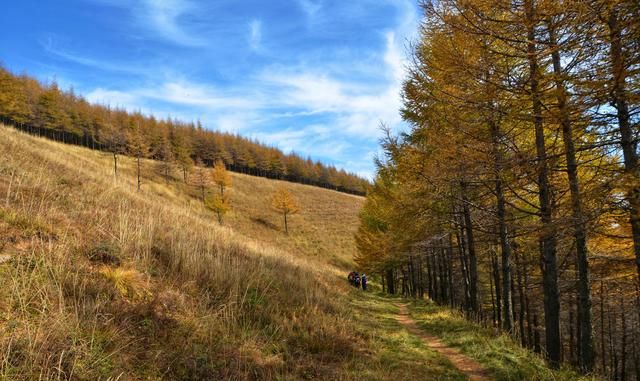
column 470, row 367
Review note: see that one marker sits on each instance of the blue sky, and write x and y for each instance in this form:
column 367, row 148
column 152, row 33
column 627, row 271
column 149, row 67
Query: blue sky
column 314, row 76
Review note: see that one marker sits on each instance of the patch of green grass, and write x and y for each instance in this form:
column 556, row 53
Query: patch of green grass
column 393, row 353
column 499, row 354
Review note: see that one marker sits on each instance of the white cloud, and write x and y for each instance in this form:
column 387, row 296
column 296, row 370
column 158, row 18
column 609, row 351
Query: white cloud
column 319, row 110
column 190, row 94
column 255, row 34
column 114, row 98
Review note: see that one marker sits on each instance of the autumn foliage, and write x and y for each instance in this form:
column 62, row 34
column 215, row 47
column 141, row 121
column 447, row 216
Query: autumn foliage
column 515, row 195
column 46, row 110
column 284, row 202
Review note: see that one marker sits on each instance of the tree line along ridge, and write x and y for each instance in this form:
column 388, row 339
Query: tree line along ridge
column 48, row 111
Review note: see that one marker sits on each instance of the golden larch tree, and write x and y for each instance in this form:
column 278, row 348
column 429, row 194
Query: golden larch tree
column 221, row 178
column 284, row 202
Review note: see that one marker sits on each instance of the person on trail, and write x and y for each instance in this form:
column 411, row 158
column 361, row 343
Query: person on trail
column 364, row 282
column 351, row 278
column 357, row 280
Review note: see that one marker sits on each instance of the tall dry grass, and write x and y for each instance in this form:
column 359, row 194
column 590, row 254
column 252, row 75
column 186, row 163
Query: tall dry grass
column 103, row 282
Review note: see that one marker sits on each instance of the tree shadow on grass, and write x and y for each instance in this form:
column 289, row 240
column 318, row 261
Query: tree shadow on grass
column 263, row 222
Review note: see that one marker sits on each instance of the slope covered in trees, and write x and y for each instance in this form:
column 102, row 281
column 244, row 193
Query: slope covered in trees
column 46, row 110
column 514, row 196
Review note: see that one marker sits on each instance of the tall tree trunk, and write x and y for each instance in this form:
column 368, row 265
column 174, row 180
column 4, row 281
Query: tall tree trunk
column 586, row 354
column 286, row 225
column 505, row 247
column 494, row 312
column 603, row 353
column 548, row 235
column 628, row 143
column 449, row 264
column 138, row 172
column 623, row 343
column 525, row 275
column 391, row 286
column 463, row 267
column 115, row 164
column 429, row 275
column 521, row 302
column 496, row 281
column 473, row 260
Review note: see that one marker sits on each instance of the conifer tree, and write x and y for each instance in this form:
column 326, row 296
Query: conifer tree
column 139, row 149
column 284, row 202
column 200, row 179
column 220, row 204
column 220, row 176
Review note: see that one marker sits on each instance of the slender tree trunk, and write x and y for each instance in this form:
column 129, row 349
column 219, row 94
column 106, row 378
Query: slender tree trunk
column 463, row 267
column 473, row 260
column 505, row 247
column 525, row 275
column 286, row 225
column 603, row 353
column 115, row 165
column 548, row 235
column 627, row 141
column 429, row 275
column 449, row 264
column 536, row 334
column 496, row 281
column 138, row 171
column 585, row 351
column 612, row 344
column 522, row 304
column 623, row 343
column 494, row 313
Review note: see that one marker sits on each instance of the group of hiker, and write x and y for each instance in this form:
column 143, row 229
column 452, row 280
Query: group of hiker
column 356, row 280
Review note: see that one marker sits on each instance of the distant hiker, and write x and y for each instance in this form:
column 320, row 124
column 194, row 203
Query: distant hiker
column 357, row 281
column 364, row 282
column 352, row 278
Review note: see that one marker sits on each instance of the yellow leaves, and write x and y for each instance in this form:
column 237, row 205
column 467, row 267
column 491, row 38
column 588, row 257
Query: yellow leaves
column 284, row 202
column 220, row 176
column 219, row 204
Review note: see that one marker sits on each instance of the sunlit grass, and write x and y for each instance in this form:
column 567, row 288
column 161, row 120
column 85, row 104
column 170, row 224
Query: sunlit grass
column 497, row 352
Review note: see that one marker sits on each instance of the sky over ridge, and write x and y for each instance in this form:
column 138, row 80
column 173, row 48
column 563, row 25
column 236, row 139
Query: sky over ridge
column 314, row 76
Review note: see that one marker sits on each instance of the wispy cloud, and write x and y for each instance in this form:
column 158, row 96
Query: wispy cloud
column 255, row 34
column 168, row 19
column 316, row 95
column 50, row 46
column 164, row 16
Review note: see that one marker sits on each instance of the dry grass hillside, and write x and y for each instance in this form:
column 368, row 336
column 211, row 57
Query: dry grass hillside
column 101, row 282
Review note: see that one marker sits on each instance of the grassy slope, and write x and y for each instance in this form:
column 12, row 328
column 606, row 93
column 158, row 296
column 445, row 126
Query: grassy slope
column 103, row 282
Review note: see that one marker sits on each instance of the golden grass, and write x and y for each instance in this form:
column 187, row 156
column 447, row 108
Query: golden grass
column 107, row 283
column 101, row 282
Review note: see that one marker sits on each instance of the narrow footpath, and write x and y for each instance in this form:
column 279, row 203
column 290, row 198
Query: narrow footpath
column 470, row 367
